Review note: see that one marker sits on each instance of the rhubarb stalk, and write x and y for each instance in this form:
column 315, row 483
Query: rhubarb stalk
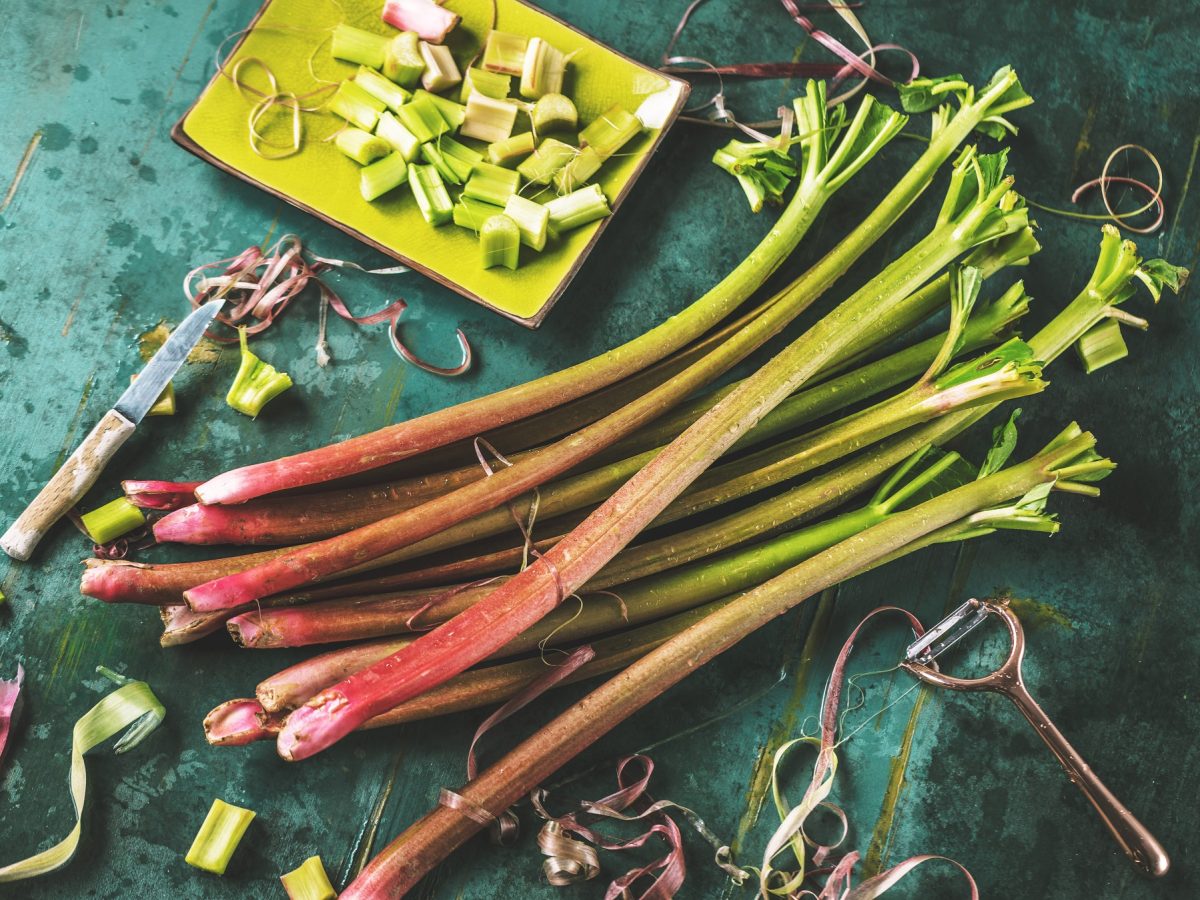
column 307, row 517
column 680, row 589
column 870, row 130
column 402, row 864
column 979, row 207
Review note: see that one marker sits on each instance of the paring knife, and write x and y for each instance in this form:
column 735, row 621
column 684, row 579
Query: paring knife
column 84, row 466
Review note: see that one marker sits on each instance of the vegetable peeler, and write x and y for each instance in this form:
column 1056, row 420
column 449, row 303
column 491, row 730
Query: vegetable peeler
column 1133, row 837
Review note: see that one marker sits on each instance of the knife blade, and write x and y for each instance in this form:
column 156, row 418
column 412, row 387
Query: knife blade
column 83, row 467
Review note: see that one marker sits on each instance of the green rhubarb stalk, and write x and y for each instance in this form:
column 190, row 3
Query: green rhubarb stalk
column 870, row 130
column 386, row 92
column 219, row 837
column 1101, row 346
column 515, row 148
column 540, row 429
column 308, row 881
column 472, row 214
column 357, row 46
column 402, row 62
column 113, row 519
column 356, row 106
column 978, row 208
column 553, row 112
column 360, row 146
column 256, row 384
column 400, row 138
column 382, row 176
column 500, row 242
column 408, row 858
column 1111, row 283
column 433, row 200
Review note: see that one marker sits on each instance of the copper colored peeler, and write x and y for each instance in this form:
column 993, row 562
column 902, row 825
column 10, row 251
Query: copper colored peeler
column 1135, row 839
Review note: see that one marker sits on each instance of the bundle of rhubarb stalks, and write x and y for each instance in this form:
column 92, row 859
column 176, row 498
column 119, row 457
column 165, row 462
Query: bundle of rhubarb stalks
column 631, row 503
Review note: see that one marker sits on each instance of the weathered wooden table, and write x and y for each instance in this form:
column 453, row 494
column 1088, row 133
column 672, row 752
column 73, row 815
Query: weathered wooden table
column 101, row 223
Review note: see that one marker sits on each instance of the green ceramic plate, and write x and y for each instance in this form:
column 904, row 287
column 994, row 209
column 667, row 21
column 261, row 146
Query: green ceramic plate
column 291, row 35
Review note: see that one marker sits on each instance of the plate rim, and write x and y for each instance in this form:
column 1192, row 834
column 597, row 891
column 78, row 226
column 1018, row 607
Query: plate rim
column 180, row 136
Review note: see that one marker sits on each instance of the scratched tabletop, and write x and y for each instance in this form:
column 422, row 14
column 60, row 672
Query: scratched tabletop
column 101, row 216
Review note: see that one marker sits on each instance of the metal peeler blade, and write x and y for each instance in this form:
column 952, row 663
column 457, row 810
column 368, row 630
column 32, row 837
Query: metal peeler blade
column 946, row 633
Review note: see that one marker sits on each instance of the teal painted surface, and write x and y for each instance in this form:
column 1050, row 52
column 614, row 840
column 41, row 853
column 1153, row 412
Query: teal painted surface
column 108, row 217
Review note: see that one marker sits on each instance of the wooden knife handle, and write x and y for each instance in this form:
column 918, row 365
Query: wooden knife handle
column 68, row 485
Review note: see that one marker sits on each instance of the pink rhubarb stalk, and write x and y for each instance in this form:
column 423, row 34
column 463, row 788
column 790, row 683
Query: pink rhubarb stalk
column 121, row 581
column 164, row 495
column 10, row 698
column 430, row 21
column 352, row 618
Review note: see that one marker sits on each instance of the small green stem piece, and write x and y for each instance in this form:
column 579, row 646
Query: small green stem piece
column 500, row 242
column 386, row 92
column 532, row 219
column 361, row 146
column 218, row 837
column 308, row 882
column 488, row 119
column 441, row 71
column 385, row 175
column 577, row 208
column 504, row 52
column 1102, row 345
column 472, row 214
column 610, row 131
column 430, row 192
column 452, row 112
column 491, row 184
column 256, row 384
column 554, row 112
column 422, row 117
column 400, row 138
column 110, row 521
column 504, row 153
column 575, row 174
column 491, row 84
column 358, row 107
column 402, row 62
column 547, row 160
column 165, row 404
column 357, row 46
